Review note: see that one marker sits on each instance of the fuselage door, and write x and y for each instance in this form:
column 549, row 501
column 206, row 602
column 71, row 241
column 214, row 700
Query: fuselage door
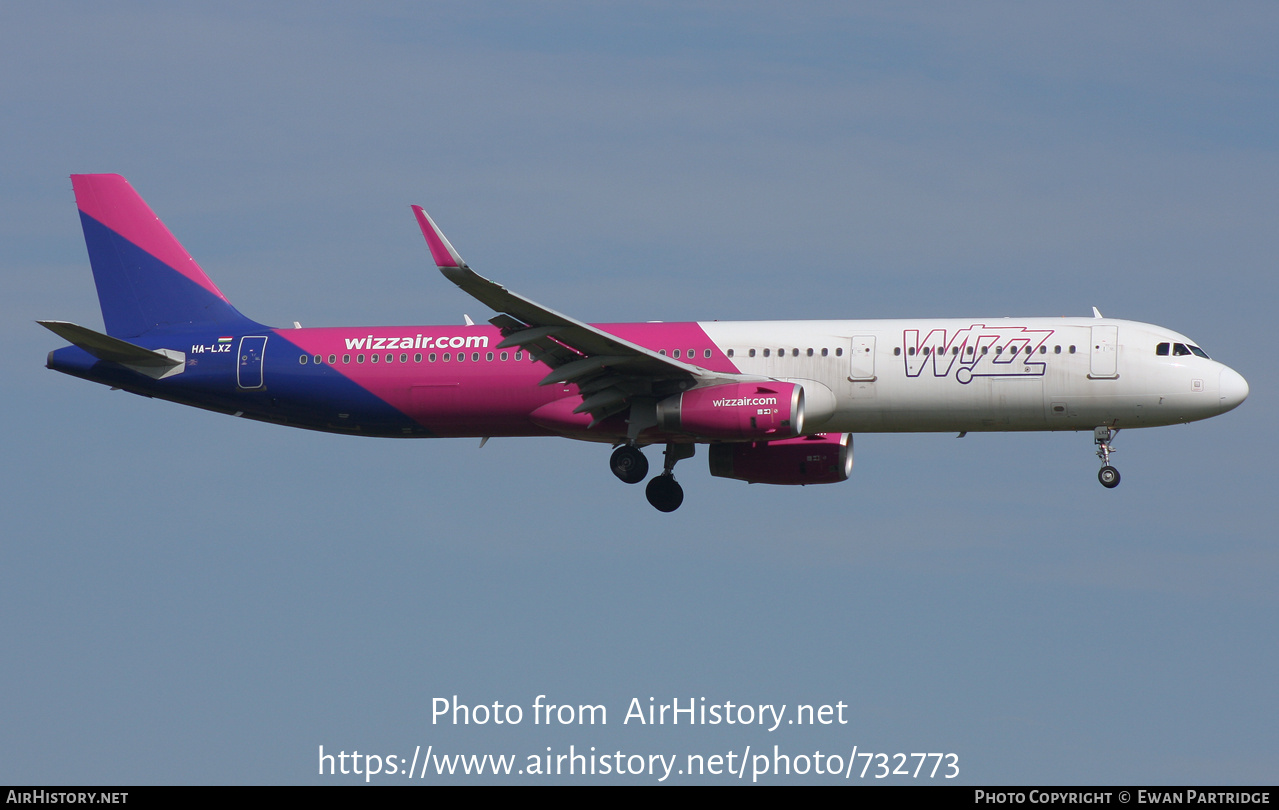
column 862, row 360
column 248, row 373
column 1105, row 353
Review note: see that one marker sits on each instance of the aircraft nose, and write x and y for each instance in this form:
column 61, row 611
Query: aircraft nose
column 1233, row 388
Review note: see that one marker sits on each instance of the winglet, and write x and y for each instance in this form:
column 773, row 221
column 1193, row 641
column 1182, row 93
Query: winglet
column 443, row 253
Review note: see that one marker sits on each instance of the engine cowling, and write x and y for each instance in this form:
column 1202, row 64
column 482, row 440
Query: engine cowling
column 736, row 411
column 825, row 458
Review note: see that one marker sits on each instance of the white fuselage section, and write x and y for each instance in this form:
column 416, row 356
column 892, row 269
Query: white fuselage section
column 991, row 374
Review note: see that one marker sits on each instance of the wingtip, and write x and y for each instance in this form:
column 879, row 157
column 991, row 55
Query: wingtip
column 443, row 253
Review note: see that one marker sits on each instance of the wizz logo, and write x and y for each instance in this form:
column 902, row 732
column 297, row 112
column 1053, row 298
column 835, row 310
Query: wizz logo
column 976, row 351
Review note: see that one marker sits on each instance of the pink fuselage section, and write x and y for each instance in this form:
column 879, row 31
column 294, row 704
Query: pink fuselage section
column 454, row 381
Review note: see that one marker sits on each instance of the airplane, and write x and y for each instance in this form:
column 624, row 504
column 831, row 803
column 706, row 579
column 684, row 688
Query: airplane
column 776, row 402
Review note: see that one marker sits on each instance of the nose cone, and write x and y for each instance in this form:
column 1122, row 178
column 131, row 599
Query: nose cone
column 1233, row 388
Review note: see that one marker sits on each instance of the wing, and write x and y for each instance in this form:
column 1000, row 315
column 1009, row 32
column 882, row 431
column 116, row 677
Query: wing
column 612, row 374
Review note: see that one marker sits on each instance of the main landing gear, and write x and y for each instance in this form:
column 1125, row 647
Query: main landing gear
column 629, row 464
column 664, row 492
column 1107, row 475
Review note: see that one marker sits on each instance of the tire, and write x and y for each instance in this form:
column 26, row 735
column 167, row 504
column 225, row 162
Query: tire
column 665, row 493
column 629, row 464
column 1108, row 476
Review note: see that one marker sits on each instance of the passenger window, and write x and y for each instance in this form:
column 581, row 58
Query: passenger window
column 839, row 352
column 730, row 352
column 1056, row 350
column 447, row 357
column 404, row 358
column 752, row 352
column 390, row 358
column 475, row 357
column 333, row 359
column 1072, row 349
column 346, row 358
column 374, row 357
column 504, row 356
column 675, row 354
column 897, row 351
column 766, row 352
column 431, row 357
column 417, row 358
column 359, row 358
column 707, row 354
column 1162, row 350
column 825, row 352
column 302, row 359
column 795, row 352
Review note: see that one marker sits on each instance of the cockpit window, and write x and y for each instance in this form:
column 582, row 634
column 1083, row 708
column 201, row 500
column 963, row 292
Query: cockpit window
column 1180, row 350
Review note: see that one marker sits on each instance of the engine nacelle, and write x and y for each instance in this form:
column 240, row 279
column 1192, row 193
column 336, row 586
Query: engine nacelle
column 736, row 411
column 826, row 458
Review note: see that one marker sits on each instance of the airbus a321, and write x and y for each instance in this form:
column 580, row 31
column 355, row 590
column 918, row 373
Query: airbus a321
column 775, row 402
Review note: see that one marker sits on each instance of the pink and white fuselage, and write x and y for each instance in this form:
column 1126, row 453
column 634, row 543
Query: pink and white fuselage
column 873, row 376
column 777, row 401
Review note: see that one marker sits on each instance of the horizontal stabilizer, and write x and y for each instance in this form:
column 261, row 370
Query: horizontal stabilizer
column 153, row 363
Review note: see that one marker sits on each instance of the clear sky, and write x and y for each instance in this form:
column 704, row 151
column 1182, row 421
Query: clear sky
column 187, row 597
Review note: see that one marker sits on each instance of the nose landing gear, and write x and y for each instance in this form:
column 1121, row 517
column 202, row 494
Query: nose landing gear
column 1107, row 475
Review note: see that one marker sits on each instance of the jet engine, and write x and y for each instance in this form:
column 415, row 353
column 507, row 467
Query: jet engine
column 825, row 458
column 736, row 411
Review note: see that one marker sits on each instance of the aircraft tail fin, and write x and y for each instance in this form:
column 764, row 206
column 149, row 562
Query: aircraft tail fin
column 145, row 278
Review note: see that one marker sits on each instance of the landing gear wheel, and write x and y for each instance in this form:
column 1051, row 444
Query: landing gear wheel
column 1108, row 476
column 629, row 464
column 665, row 493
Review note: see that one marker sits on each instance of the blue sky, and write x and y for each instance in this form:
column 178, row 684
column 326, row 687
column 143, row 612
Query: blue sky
column 186, row 597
